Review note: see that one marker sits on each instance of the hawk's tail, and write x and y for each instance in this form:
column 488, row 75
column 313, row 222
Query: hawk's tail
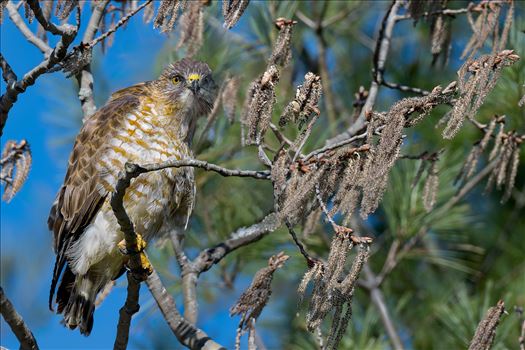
column 76, row 297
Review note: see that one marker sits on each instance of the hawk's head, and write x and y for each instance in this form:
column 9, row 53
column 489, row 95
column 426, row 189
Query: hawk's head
column 189, row 85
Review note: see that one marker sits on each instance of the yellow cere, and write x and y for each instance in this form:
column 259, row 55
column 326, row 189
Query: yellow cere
column 194, row 76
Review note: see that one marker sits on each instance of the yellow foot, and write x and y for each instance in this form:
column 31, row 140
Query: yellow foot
column 141, row 245
column 145, row 266
column 137, row 261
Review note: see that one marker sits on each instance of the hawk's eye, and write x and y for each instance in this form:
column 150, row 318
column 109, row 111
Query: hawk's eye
column 176, row 79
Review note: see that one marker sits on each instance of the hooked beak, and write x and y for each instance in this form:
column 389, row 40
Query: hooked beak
column 194, row 86
column 194, row 83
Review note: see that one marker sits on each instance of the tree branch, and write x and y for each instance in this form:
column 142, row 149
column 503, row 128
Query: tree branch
column 8, row 74
column 125, row 223
column 380, row 56
column 186, row 333
column 378, row 300
column 189, row 295
column 16, row 323
column 130, row 308
column 69, row 33
column 395, row 255
column 189, row 270
column 405, row 88
column 18, row 21
column 85, row 78
column 62, row 30
column 119, row 24
column 243, row 236
column 448, row 12
column 134, row 170
column 323, row 68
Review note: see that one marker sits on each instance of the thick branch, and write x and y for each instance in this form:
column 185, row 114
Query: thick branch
column 94, row 21
column 189, row 270
column 380, row 56
column 125, row 223
column 17, row 324
column 85, row 78
column 189, row 296
column 243, row 236
column 130, row 308
column 186, row 333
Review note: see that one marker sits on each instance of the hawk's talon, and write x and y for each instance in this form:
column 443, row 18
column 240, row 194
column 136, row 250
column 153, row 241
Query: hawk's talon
column 141, row 272
column 141, row 245
column 144, row 269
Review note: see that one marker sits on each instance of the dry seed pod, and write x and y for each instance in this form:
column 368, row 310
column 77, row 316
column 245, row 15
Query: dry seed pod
column 64, row 8
column 486, row 330
column 259, row 105
column 431, row 188
column 232, row 11
column 476, row 79
column 149, row 12
column 281, row 52
column 305, row 103
column 16, row 163
column 167, row 14
column 254, row 299
column 229, row 98
column 192, row 28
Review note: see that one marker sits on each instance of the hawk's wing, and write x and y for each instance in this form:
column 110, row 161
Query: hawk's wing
column 82, row 193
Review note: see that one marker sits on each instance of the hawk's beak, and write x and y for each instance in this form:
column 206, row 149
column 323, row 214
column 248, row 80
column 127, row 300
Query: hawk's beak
column 194, row 82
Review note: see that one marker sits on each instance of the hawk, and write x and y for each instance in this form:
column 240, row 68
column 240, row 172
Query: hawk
column 149, row 122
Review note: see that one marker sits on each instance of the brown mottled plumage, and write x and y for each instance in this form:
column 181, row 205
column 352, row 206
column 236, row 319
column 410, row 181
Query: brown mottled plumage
column 146, row 123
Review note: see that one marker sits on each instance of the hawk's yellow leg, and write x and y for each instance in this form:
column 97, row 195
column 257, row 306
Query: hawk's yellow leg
column 145, row 268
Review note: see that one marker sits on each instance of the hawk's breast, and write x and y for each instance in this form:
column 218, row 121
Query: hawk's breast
column 145, row 137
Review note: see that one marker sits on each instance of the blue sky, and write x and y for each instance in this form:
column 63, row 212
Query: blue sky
column 26, row 245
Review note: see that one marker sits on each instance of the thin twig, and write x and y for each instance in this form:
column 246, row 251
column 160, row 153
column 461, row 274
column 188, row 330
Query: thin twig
column 17, row 324
column 380, row 56
column 309, row 260
column 130, row 308
column 119, row 24
column 378, row 300
column 135, row 170
column 405, row 88
column 448, row 12
column 68, row 33
column 323, row 68
column 8, row 74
